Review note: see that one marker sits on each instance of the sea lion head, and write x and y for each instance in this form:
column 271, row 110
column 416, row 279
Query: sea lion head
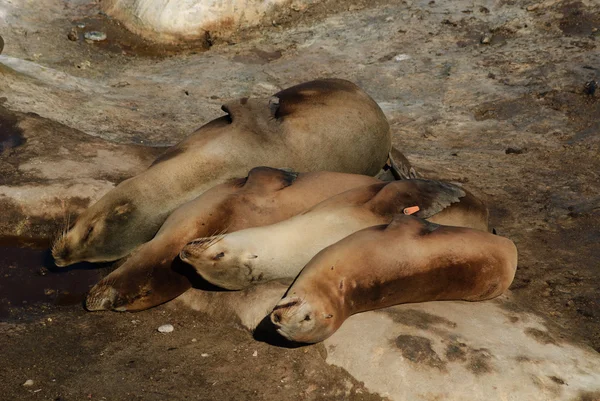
column 303, row 320
column 224, row 261
column 97, row 234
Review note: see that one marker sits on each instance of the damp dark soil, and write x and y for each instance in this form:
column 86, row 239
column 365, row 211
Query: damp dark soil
column 517, row 118
column 122, row 41
column 71, row 354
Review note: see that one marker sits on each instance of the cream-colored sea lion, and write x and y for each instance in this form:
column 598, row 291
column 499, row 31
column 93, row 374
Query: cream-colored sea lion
column 322, row 125
column 278, row 251
column 151, row 274
column 409, row 260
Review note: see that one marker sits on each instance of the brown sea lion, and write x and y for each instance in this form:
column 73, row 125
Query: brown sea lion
column 409, row 260
column 279, row 251
column 322, row 125
column 149, row 276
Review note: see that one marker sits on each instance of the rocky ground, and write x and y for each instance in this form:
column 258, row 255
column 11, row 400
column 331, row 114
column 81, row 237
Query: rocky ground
column 496, row 95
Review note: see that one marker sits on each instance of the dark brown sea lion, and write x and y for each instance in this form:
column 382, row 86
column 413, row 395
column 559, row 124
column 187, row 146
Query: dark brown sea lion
column 148, row 277
column 279, row 251
column 322, row 125
column 409, row 260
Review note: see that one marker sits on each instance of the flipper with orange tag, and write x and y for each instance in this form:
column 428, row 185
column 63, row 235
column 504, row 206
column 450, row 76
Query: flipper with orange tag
column 411, row 210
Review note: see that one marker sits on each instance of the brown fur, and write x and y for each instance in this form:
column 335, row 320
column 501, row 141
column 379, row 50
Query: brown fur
column 409, row 260
column 328, row 124
column 279, row 251
column 150, row 275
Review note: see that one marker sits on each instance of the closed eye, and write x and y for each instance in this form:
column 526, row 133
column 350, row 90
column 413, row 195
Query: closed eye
column 219, row 255
column 88, row 232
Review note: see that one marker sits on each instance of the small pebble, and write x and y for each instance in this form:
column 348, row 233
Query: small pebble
column 515, row 151
column 255, row 353
column 166, row 328
column 96, row 36
column 401, row 57
column 590, row 87
column 81, row 25
column 72, row 35
column 486, row 39
column 194, row 340
column 203, row 355
column 28, row 383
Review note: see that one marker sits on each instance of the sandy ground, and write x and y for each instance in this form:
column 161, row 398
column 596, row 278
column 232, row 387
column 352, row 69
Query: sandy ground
column 511, row 117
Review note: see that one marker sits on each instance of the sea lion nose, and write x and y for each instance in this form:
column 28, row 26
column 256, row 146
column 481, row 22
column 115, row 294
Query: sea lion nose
column 276, row 318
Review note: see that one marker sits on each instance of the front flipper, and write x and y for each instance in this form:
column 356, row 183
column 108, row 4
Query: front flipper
column 397, row 167
column 135, row 287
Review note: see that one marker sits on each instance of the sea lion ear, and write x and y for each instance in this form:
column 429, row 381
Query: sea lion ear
column 435, row 196
column 270, row 179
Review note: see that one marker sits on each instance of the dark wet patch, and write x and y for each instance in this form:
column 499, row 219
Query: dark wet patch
column 503, row 109
column 477, row 361
column 418, row 350
column 587, row 396
column 577, row 21
column 456, row 351
column 480, row 362
column 419, row 319
column 122, row 41
column 257, row 56
column 11, row 136
column 28, row 276
column 543, row 337
column 557, row 380
column 14, row 220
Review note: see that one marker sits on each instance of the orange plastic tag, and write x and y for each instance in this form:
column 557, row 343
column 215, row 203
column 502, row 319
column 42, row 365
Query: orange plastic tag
column 411, row 210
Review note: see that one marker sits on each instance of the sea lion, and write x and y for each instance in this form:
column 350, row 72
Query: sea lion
column 151, row 274
column 278, row 251
column 327, row 124
column 409, row 260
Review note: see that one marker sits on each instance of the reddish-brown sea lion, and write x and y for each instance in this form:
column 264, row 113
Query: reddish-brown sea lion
column 322, row 125
column 148, row 277
column 279, row 251
column 409, row 260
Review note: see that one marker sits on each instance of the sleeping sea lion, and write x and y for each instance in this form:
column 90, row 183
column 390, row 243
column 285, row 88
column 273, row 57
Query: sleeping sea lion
column 327, row 124
column 150, row 275
column 409, row 260
column 279, row 251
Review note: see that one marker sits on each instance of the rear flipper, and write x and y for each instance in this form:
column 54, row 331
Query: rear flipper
column 397, row 168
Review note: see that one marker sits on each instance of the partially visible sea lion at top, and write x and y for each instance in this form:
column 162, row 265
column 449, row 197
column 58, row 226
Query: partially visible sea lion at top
column 409, row 260
column 279, row 251
column 149, row 276
column 321, row 125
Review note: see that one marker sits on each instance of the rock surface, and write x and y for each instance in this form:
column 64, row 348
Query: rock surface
column 514, row 118
column 194, row 20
